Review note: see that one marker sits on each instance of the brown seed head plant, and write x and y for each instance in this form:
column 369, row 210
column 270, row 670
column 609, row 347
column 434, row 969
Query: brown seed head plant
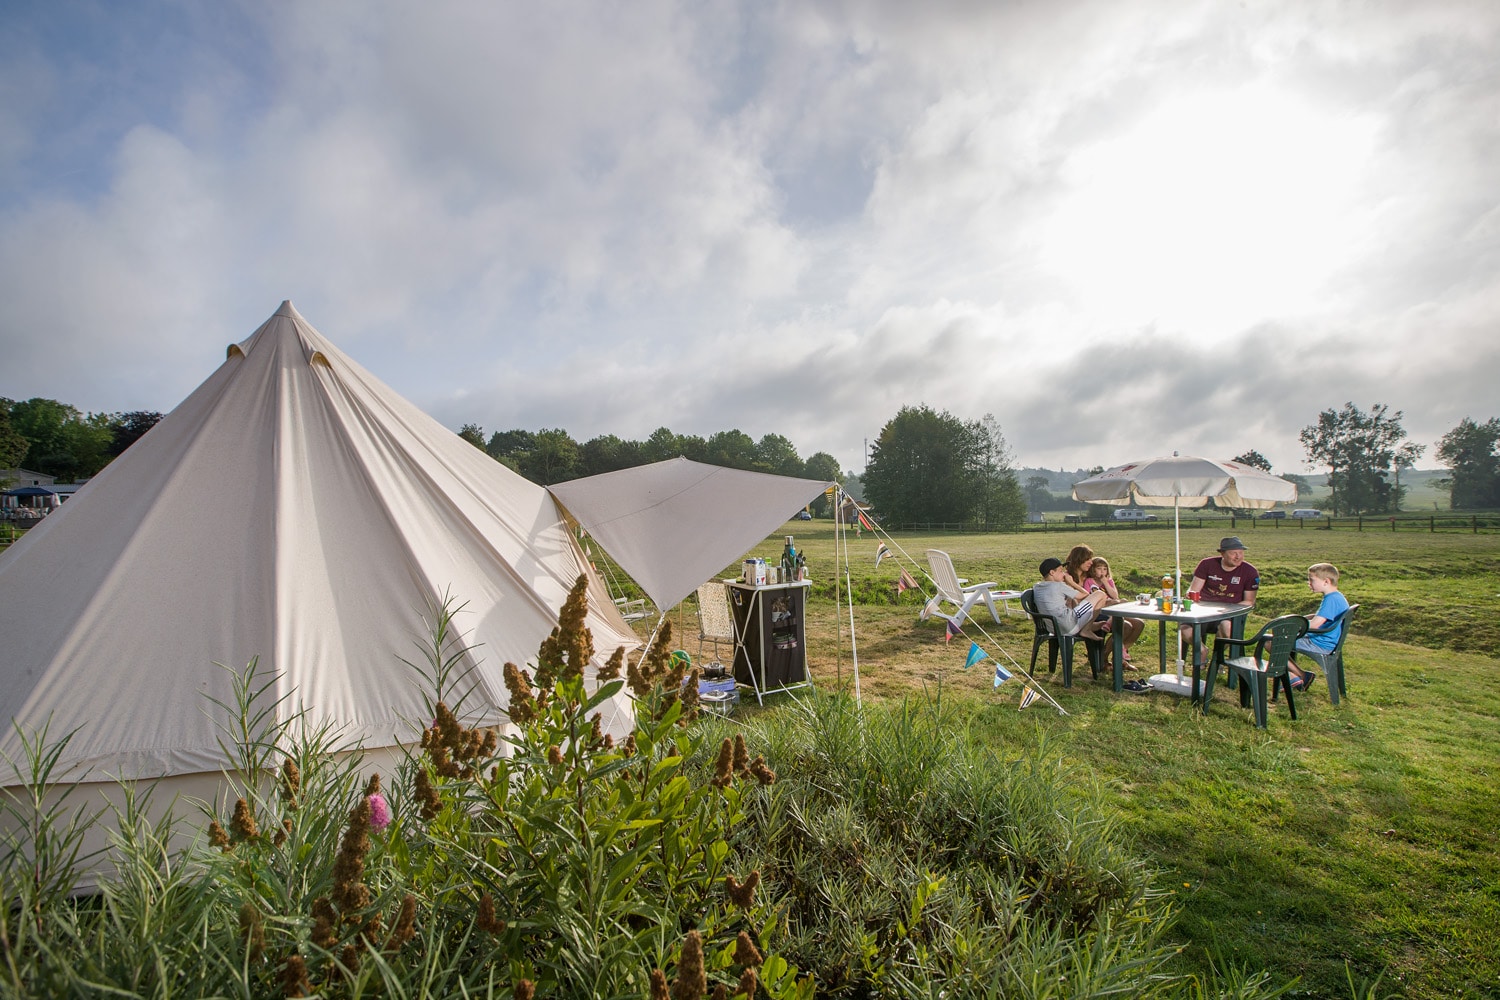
column 294, row 981
column 485, row 919
column 218, row 838
column 564, row 653
column 719, row 993
column 523, row 706
column 406, row 925
column 253, row 930
column 762, row 771
column 291, row 783
column 745, row 952
column 659, row 985
column 742, row 894
column 691, row 981
column 350, row 893
column 613, row 666
column 431, row 802
column 283, row 833
column 525, row 990
column 723, row 766
column 325, row 921
column 741, row 755
column 749, row 980
column 242, row 825
column 372, row 787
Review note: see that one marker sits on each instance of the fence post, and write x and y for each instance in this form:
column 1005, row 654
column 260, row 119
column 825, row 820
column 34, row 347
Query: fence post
column 1431, row 525
column 1474, row 522
column 1360, row 524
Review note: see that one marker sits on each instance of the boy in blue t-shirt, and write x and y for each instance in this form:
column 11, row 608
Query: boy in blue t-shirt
column 1323, row 578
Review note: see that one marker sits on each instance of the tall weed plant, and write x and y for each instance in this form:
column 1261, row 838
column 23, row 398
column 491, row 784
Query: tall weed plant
column 550, row 860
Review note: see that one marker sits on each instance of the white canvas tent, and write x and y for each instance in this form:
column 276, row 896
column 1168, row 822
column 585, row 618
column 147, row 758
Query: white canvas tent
column 292, row 508
column 672, row 525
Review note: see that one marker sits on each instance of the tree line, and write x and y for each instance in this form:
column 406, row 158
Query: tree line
column 57, row 440
column 1365, row 452
column 551, row 455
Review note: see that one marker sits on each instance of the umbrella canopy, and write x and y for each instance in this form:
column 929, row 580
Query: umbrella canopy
column 1186, row 481
column 1179, row 481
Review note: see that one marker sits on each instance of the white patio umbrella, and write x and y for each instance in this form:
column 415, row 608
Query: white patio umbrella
column 1179, row 481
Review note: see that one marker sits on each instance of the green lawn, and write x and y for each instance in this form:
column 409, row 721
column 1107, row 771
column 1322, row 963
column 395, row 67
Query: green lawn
column 1363, row 834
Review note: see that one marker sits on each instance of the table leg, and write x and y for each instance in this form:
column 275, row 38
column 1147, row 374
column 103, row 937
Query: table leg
column 1161, row 642
column 1119, row 639
column 1197, row 692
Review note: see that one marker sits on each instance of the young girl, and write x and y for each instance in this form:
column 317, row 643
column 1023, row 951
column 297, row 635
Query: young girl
column 1097, row 577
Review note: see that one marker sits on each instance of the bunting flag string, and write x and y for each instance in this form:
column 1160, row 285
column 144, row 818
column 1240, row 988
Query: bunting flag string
column 953, row 630
column 904, row 582
column 975, row 655
column 864, row 521
column 1001, row 674
column 1027, row 697
column 881, row 553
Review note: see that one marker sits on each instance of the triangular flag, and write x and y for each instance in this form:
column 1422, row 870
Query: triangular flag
column 904, row 582
column 831, row 491
column 975, row 655
column 881, row 553
column 1001, row 674
column 953, row 630
column 1027, row 697
column 865, row 521
column 929, row 609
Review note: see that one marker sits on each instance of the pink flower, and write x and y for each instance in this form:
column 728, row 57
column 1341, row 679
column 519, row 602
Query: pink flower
column 380, row 812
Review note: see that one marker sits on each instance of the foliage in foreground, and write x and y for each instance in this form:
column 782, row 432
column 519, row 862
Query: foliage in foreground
column 891, row 858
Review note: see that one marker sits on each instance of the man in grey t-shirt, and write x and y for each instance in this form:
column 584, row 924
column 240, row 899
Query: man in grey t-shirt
column 1073, row 609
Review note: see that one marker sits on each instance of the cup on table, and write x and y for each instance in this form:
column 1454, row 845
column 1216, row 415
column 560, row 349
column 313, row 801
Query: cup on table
column 1187, row 602
column 1143, row 598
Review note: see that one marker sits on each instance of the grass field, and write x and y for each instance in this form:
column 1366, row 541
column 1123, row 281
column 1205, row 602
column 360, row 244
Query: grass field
column 1355, row 841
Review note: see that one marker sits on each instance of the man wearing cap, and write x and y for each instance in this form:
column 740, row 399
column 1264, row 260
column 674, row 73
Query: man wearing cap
column 1226, row 578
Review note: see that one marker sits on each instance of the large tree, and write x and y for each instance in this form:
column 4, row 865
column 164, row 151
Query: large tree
column 61, row 442
column 921, row 468
column 1254, row 459
column 999, row 502
column 824, row 466
column 1471, row 452
column 1359, row 450
column 776, row 455
column 731, row 449
column 607, row 453
column 13, row 444
column 552, row 459
column 128, row 428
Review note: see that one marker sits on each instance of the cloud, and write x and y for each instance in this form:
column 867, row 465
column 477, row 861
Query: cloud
column 1122, row 229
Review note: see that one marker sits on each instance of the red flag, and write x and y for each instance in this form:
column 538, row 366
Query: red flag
column 865, row 521
column 953, row 630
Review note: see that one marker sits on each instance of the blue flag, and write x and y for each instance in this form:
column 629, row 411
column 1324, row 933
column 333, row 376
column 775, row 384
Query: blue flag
column 1001, row 674
column 975, row 655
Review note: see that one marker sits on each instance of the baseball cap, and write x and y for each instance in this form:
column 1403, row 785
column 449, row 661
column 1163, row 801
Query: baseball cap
column 1049, row 564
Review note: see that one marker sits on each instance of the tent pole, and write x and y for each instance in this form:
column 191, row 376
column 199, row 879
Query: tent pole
column 853, row 641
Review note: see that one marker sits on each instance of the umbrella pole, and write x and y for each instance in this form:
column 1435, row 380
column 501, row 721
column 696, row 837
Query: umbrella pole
column 1177, row 546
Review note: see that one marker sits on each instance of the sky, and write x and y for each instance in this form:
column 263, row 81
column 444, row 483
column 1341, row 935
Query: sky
column 1122, row 228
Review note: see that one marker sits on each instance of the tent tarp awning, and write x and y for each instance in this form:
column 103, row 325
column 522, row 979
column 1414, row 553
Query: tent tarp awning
column 672, row 525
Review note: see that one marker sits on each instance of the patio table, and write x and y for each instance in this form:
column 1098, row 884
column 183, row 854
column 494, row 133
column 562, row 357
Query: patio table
column 1201, row 615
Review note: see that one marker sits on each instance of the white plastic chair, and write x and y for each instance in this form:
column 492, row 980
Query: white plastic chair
column 953, row 591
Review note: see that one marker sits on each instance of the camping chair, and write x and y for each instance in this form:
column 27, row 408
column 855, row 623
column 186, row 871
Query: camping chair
column 1273, row 646
column 952, row 590
column 1048, row 630
column 1333, row 662
column 715, row 624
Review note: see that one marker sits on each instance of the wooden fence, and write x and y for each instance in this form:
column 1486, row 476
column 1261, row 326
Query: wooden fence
column 1234, row 523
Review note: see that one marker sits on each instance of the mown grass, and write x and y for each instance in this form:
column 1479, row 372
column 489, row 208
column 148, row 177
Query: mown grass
column 1358, row 840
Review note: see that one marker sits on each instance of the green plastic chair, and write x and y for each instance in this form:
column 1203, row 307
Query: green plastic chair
column 1333, row 663
column 1050, row 631
column 1270, row 661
